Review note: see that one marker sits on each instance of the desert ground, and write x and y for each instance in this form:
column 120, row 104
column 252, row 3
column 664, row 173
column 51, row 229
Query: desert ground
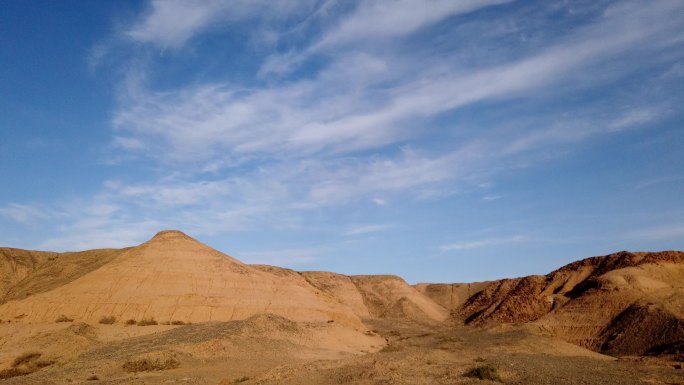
column 174, row 311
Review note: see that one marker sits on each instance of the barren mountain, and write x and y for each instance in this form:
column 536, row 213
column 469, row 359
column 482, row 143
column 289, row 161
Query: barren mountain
column 266, row 324
column 172, row 277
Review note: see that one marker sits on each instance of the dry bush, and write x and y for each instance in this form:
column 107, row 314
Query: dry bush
column 485, row 372
column 64, row 318
column 109, row 320
column 26, row 363
column 390, row 348
column 179, row 323
column 149, row 365
column 130, row 322
column 26, row 358
column 93, row 378
column 147, row 322
column 13, row 372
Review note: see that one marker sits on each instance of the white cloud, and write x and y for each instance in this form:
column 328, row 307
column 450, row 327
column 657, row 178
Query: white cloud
column 480, row 243
column 171, row 23
column 281, row 257
column 379, row 201
column 23, row 213
column 383, row 19
column 670, row 231
column 367, row 229
column 343, row 110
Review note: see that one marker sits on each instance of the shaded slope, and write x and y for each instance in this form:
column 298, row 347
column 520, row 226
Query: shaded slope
column 629, row 303
column 17, row 264
column 44, row 271
column 341, row 287
column 388, row 296
column 529, row 298
column 451, row 296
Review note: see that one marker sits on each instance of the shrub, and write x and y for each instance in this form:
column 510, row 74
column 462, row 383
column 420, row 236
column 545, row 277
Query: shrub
column 64, row 318
column 485, row 372
column 147, row 322
column 149, row 365
column 26, row 358
column 179, row 323
column 108, row 320
column 25, row 364
column 130, row 322
column 93, row 378
column 390, row 348
column 13, row 372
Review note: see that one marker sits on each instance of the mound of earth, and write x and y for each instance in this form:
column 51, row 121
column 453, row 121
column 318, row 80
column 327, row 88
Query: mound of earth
column 173, row 277
column 341, row 287
column 388, row 296
column 451, row 296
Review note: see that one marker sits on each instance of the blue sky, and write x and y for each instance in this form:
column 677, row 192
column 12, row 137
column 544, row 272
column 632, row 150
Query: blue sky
column 438, row 140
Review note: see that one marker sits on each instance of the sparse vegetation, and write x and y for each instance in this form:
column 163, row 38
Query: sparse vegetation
column 109, row 320
column 25, row 364
column 147, row 322
column 390, row 348
column 241, row 379
column 93, row 378
column 480, row 359
column 130, row 322
column 26, row 358
column 63, row 318
column 150, row 365
column 485, row 372
column 179, row 323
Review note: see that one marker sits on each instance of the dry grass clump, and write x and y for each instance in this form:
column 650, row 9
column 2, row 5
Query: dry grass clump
column 238, row 380
column 109, row 320
column 179, row 323
column 390, row 348
column 63, row 318
column 150, row 365
column 93, row 378
column 130, row 322
column 485, row 372
column 147, row 322
column 26, row 363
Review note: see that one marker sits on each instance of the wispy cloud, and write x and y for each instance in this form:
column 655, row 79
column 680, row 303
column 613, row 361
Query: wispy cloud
column 23, row 213
column 281, row 257
column 480, row 243
column 669, row 231
column 343, row 109
column 172, row 23
column 367, row 229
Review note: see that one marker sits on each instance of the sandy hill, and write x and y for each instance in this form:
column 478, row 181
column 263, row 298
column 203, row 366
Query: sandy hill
column 173, row 277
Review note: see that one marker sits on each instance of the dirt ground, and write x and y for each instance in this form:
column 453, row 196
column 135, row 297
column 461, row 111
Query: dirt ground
column 272, row 350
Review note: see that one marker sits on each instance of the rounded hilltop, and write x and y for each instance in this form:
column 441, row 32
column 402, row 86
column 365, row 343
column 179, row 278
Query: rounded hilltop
column 170, row 234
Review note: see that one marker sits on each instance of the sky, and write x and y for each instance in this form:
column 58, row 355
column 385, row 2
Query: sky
column 439, row 140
